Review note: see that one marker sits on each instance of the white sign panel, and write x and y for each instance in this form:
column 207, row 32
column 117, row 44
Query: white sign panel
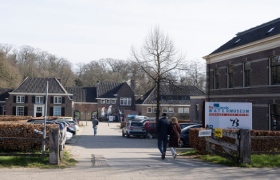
column 111, row 118
column 203, row 133
column 228, row 115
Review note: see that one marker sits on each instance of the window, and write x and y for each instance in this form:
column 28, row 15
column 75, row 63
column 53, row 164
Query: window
column 171, row 110
column 113, row 101
column 180, row 110
column 155, row 110
column 125, row 102
column 186, row 110
column 39, row 99
column 20, row 99
column 275, row 69
column 20, row 110
column 197, row 111
column 56, row 111
column 57, row 99
column 217, row 79
column 247, row 73
column 102, row 101
column 230, row 76
column 4, row 110
column 107, row 101
column 149, row 110
column 275, row 117
column 164, row 110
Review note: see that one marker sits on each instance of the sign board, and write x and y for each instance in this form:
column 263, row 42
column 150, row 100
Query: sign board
column 111, row 118
column 218, row 132
column 228, row 115
column 203, row 133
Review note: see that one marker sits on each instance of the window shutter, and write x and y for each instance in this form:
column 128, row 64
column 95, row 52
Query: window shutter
column 26, row 99
column 33, row 99
column 63, row 100
column 44, row 99
column 15, row 99
column 25, row 111
column 62, row 111
column 14, row 110
column 51, row 111
column 52, row 100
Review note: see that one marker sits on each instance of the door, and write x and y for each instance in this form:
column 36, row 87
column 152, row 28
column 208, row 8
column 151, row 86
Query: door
column 38, row 110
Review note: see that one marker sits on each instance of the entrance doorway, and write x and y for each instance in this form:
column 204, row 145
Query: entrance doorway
column 275, row 117
column 38, row 110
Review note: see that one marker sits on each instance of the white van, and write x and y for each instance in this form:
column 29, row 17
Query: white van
column 141, row 117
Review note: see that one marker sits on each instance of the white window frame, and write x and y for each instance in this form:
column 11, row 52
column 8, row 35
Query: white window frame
column 103, row 101
column 180, row 110
column 107, row 101
column 171, row 110
column 127, row 100
column 39, row 99
column 54, row 110
column 149, row 108
column 165, row 110
column 56, row 100
column 17, row 111
column 186, row 110
column 113, row 101
column 155, row 110
column 20, row 99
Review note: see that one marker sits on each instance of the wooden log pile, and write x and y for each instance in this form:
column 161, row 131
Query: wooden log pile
column 20, row 130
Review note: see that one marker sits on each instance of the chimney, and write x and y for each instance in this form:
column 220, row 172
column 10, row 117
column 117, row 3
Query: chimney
column 132, row 84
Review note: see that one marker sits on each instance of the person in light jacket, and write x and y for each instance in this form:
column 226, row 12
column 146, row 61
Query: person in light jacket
column 174, row 138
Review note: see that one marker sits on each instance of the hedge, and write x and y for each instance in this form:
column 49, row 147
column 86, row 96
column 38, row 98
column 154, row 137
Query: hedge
column 20, row 118
column 199, row 143
column 23, row 130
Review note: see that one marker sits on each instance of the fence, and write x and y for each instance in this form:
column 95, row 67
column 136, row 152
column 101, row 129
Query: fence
column 239, row 150
column 56, row 140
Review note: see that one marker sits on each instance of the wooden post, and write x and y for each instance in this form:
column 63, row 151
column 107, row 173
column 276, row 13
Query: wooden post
column 245, row 146
column 54, row 146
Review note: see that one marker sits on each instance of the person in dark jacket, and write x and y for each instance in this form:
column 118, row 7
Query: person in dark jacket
column 94, row 125
column 174, row 138
column 163, row 128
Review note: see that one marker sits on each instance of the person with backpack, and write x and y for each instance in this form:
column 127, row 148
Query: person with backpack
column 94, row 125
column 174, row 138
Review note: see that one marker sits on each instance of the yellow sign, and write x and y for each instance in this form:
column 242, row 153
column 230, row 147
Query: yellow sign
column 218, row 132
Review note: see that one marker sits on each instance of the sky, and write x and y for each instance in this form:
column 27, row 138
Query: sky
column 86, row 30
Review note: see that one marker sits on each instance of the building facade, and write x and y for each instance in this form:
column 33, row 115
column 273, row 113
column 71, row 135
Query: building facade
column 247, row 69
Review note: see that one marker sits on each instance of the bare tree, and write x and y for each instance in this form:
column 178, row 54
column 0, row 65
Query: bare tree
column 157, row 58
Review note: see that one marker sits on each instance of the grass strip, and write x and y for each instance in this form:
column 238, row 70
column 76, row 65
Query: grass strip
column 259, row 161
column 35, row 162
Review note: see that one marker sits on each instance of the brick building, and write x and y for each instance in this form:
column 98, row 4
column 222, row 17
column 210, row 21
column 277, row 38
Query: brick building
column 176, row 101
column 247, row 69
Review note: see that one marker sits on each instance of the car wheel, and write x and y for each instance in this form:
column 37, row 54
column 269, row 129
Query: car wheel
column 127, row 135
column 122, row 134
column 181, row 143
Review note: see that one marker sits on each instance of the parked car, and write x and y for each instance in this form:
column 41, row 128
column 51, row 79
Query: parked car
column 69, row 136
column 150, row 127
column 134, row 128
column 140, row 117
column 183, row 125
column 184, row 136
column 69, row 129
column 69, row 120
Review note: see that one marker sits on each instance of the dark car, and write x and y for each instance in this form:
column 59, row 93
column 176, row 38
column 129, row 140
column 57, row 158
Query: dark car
column 183, row 125
column 150, row 127
column 184, row 136
column 134, row 128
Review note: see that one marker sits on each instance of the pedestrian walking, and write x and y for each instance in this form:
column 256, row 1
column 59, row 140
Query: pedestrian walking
column 163, row 128
column 174, row 138
column 95, row 125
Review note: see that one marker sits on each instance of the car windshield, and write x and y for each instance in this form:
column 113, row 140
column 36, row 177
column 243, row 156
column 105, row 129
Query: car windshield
column 136, row 124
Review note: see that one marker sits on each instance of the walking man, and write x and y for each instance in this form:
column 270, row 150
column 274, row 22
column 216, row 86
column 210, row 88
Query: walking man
column 163, row 128
column 94, row 125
